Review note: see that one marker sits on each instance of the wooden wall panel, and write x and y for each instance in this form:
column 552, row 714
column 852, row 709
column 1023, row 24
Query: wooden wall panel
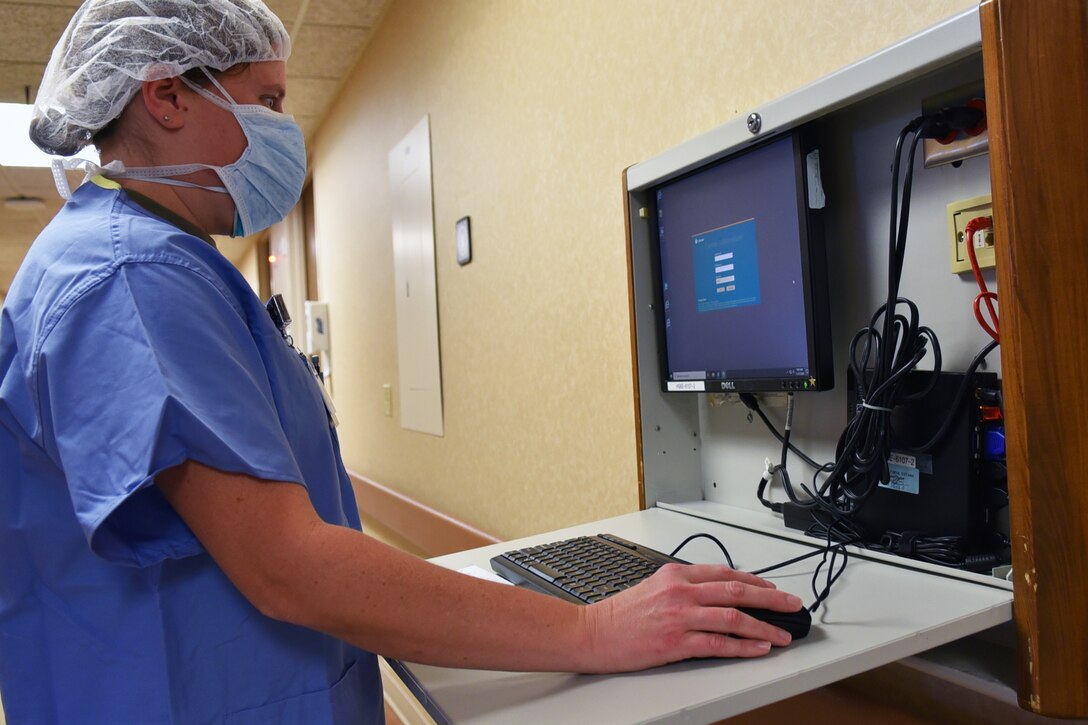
column 1036, row 66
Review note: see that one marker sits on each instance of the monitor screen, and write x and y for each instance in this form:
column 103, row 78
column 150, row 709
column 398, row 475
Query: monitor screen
column 743, row 286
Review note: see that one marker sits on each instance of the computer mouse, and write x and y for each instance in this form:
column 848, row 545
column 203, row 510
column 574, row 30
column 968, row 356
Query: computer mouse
column 796, row 623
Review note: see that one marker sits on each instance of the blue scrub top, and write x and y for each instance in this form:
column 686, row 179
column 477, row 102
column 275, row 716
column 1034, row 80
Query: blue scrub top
column 126, row 347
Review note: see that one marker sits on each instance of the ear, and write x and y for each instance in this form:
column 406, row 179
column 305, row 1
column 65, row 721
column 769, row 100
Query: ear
column 165, row 102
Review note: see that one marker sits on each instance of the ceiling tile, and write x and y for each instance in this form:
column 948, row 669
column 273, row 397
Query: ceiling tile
column 286, row 10
column 330, row 37
column 29, row 32
column 63, row 3
column 15, row 77
column 6, row 187
column 37, row 182
column 309, row 96
column 355, row 13
column 20, row 229
column 325, row 51
column 22, row 226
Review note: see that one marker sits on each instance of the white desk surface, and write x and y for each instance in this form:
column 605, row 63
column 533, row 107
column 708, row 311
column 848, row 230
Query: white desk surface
column 877, row 613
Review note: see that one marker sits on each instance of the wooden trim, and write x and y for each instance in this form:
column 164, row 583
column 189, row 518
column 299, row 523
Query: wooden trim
column 399, row 700
column 429, row 530
column 309, row 236
column 264, row 271
column 1036, row 67
column 634, row 345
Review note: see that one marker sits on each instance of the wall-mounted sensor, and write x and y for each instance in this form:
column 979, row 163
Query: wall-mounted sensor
column 464, row 241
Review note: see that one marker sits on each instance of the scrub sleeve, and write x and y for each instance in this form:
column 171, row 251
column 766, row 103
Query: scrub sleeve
column 145, row 369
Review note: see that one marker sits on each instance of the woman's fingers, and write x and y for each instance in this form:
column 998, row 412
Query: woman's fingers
column 697, row 573
column 685, row 611
column 740, row 594
column 732, row 621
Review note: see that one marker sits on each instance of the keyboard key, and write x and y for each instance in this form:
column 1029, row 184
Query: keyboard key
column 545, row 572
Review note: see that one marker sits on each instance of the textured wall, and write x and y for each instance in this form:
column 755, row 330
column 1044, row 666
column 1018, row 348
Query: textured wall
column 536, row 108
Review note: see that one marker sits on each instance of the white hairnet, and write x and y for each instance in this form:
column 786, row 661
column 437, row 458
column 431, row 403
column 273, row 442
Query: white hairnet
column 111, row 46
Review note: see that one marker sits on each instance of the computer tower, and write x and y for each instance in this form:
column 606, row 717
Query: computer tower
column 954, row 488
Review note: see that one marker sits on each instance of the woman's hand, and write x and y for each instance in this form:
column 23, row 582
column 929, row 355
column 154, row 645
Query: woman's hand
column 684, row 611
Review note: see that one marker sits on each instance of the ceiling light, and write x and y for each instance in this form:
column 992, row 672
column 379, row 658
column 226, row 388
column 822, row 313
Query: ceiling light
column 24, row 203
column 17, row 149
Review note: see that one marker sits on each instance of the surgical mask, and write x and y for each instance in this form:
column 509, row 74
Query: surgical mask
column 265, row 182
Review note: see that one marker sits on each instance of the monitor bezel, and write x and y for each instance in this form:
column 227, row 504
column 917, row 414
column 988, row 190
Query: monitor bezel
column 814, row 277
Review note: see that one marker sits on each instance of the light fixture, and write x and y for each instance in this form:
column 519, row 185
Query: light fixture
column 24, row 203
column 17, row 149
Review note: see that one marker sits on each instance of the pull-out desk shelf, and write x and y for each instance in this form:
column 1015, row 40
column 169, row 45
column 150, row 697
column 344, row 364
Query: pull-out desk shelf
column 877, row 613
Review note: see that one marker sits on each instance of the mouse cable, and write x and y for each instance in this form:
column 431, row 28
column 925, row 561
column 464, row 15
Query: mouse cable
column 835, row 569
column 832, row 575
column 705, row 536
column 833, row 550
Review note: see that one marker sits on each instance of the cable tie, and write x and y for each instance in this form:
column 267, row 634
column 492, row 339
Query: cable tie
column 866, row 404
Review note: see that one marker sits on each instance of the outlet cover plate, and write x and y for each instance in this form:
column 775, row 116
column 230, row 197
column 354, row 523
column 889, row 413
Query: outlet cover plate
column 959, row 214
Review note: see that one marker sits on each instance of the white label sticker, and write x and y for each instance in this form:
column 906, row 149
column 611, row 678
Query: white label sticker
column 816, row 197
column 902, row 459
column 903, row 478
column 689, row 385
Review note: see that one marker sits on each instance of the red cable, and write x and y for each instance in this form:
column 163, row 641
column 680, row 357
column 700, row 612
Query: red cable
column 975, row 225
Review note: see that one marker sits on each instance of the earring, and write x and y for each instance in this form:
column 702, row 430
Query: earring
column 166, row 118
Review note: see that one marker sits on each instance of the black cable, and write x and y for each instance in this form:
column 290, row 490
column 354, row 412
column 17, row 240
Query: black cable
column 882, row 355
column 752, row 404
column 965, row 385
column 787, row 562
column 832, row 574
column 781, row 468
column 836, row 528
column 705, row 536
column 820, row 594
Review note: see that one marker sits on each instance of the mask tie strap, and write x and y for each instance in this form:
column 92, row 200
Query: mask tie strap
column 175, row 182
column 163, row 174
column 227, row 103
column 60, row 166
column 219, row 87
column 60, row 179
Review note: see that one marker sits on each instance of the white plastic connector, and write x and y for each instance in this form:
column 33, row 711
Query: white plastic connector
column 768, row 469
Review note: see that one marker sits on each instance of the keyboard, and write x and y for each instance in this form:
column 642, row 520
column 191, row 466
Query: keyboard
column 583, row 570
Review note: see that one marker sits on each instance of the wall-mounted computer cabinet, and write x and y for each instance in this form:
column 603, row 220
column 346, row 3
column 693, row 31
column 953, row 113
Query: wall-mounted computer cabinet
column 721, row 305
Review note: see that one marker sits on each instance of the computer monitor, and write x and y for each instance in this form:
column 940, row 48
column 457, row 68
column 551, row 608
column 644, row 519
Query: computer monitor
column 742, row 280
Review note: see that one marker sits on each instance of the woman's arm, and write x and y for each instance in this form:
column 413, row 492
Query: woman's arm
column 294, row 567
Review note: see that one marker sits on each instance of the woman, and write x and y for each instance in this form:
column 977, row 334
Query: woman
column 180, row 539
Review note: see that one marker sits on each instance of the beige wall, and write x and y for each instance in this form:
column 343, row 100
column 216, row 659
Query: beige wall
column 536, row 108
column 247, row 265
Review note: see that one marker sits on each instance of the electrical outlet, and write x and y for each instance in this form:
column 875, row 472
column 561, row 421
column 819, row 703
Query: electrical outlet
column 959, row 214
column 387, row 399
column 966, row 144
